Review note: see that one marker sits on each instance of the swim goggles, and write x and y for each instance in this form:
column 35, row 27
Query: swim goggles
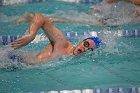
column 87, row 44
column 96, row 40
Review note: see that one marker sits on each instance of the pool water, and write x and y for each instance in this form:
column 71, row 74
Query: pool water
column 115, row 64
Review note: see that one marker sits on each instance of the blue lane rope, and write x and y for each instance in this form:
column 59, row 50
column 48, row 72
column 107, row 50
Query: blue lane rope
column 8, row 2
column 91, row 1
column 5, row 39
column 98, row 90
column 119, row 33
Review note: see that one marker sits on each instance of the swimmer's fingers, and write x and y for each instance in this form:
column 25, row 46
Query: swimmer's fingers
column 16, row 46
column 17, row 41
column 20, row 42
column 19, row 20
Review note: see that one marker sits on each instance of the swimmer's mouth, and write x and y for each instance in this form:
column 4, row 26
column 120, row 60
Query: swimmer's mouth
column 79, row 51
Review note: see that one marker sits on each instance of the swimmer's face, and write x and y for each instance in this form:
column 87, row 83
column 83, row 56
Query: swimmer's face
column 83, row 46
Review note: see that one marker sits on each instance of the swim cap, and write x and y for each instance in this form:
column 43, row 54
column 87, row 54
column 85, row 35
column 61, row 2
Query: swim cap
column 96, row 40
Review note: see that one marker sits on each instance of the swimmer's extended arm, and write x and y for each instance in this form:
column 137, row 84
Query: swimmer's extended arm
column 39, row 21
column 28, row 17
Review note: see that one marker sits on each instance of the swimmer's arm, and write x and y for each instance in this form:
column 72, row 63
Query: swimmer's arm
column 31, row 59
column 36, row 23
column 41, row 57
column 45, row 54
column 56, row 19
column 39, row 21
column 28, row 17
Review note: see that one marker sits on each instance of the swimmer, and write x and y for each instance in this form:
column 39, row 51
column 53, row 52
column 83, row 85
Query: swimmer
column 136, row 13
column 116, row 12
column 59, row 44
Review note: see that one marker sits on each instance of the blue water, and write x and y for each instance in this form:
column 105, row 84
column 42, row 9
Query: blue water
column 115, row 64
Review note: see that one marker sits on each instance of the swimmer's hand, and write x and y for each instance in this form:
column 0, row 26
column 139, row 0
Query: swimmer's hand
column 22, row 41
column 26, row 18
column 20, row 20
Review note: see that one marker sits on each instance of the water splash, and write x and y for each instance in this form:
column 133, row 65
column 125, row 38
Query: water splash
column 115, row 14
column 5, row 61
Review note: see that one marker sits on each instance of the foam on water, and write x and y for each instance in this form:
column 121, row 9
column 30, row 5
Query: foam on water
column 114, row 12
column 11, row 59
column 5, row 62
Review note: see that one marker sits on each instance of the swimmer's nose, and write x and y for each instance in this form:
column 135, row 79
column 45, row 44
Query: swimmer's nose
column 84, row 49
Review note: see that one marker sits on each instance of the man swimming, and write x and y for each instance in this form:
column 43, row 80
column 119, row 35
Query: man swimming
column 58, row 46
column 136, row 13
